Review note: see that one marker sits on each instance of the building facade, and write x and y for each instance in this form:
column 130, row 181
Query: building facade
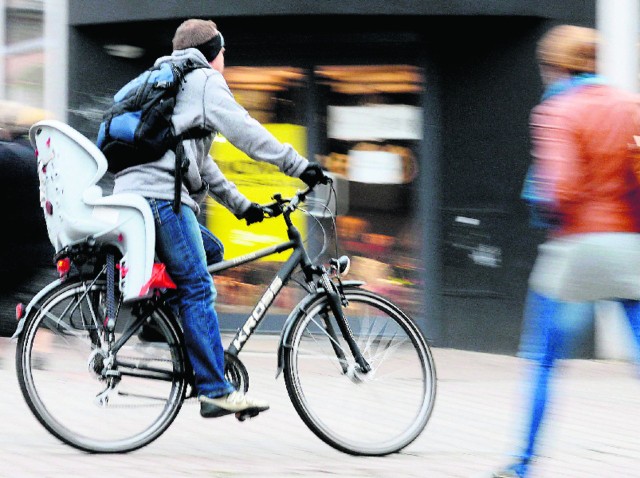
column 420, row 106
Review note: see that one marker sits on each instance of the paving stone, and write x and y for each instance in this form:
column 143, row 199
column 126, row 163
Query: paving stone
column 475, row 426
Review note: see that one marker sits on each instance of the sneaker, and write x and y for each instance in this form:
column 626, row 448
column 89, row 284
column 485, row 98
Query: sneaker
column 513, row 471
column 235, row 402
column 506, row 474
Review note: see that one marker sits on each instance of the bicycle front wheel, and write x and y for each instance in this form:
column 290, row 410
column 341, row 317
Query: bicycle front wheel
column 374, row 413
column 87, row 396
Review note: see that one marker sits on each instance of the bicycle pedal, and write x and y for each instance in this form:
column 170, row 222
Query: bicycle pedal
column 191, row 393
column 242, row 416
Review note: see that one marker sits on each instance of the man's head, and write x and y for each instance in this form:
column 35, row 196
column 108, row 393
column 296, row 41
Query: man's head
column 203, row 35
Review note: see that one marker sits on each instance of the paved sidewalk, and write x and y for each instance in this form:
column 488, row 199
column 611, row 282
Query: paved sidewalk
column 473, row 428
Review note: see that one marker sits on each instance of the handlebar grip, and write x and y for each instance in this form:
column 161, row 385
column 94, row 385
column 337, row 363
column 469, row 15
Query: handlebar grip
column 271, row 210
column 280, row 205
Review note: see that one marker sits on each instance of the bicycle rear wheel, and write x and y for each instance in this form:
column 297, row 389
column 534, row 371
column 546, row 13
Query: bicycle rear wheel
column 83, row 394
column 374, row 413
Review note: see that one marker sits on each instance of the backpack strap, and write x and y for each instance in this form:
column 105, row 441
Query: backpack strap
column 182, row 163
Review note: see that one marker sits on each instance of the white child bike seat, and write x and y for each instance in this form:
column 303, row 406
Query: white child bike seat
column 75, row 210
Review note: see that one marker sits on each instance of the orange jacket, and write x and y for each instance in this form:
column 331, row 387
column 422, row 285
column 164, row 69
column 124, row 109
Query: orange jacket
column 582, row 143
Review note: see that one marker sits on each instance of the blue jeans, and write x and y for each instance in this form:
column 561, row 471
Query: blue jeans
column 180, row 245
column 213, row 248
column 551, row 330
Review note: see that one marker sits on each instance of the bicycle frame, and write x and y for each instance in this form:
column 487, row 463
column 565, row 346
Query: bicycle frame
column 261, row 308
column 299, row 256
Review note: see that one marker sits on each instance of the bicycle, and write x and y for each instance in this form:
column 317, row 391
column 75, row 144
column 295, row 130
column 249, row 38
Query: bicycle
column 357, row 369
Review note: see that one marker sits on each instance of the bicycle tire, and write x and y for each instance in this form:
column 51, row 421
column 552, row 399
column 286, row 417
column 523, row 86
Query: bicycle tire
column 372, row 414
column 58, row 358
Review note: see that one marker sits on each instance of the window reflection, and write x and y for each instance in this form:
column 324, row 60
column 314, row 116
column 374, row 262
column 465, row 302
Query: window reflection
column 23, row 60
column 370, row 131
column 373, row 131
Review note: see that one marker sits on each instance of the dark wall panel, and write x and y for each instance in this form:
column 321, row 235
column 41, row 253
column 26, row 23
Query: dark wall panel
column 491, row 83
column 100, row 11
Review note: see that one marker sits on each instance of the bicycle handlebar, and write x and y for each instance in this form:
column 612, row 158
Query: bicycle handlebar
column 280, row 205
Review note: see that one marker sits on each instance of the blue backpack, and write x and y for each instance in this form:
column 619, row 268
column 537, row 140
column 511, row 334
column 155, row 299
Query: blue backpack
column 137, row 129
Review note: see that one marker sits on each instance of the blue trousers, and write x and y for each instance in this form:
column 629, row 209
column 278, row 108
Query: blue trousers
column 551, row 329
column 184, row 246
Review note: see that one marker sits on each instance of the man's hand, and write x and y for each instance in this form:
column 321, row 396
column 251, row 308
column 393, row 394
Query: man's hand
column 253, row 214
column 313, row 174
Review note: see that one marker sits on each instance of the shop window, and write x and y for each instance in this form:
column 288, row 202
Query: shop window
column 369, row 134
column 273, row 96
column 373, row 129
column 23, row 53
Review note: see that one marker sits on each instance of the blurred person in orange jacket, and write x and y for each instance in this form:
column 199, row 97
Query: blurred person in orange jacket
column 583, row 186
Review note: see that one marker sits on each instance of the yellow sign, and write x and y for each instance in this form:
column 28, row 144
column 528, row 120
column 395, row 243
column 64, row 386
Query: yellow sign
column 258, row 181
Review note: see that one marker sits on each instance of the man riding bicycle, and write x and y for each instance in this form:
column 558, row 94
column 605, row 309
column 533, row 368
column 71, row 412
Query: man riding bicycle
column 205, row 101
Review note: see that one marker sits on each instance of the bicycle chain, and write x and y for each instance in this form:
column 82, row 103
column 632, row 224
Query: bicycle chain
column 186, row 401
column 134, row 359
column 143, row 359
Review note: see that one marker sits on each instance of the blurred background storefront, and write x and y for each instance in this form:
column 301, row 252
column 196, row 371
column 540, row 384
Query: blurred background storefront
column 33, row 33
column 421, row 107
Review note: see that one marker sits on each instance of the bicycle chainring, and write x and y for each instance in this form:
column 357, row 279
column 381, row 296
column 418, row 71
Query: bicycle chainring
column 235, row 372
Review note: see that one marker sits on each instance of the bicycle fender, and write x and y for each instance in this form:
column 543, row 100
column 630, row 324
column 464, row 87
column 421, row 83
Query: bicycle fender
column 299, row 310
column 36, row 298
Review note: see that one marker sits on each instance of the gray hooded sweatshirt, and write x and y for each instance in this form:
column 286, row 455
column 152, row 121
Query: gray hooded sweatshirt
column 206, row 101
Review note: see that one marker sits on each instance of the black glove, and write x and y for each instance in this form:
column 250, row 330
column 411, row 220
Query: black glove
column 253, row 214
column 313, row 175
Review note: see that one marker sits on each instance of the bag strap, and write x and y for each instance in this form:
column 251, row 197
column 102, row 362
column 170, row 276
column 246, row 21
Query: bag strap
column 181, row 160
column 181, row 167
column 182, row 163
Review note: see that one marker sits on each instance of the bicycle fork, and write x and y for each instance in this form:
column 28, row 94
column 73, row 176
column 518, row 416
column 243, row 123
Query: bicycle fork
column 335, row 303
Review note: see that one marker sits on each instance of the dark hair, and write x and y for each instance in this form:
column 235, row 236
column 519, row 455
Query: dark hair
column 194, row 32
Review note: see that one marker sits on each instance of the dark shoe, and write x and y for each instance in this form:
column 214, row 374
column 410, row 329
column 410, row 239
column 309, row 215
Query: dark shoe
column 151, row 334
column 235, row 402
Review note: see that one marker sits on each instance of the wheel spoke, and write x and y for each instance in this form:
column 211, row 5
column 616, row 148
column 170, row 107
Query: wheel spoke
column 322, row 336
column 373, row 413
column 71, row 380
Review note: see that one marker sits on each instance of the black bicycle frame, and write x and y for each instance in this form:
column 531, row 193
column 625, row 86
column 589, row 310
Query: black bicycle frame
column 280, row 279
column 298, row 257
